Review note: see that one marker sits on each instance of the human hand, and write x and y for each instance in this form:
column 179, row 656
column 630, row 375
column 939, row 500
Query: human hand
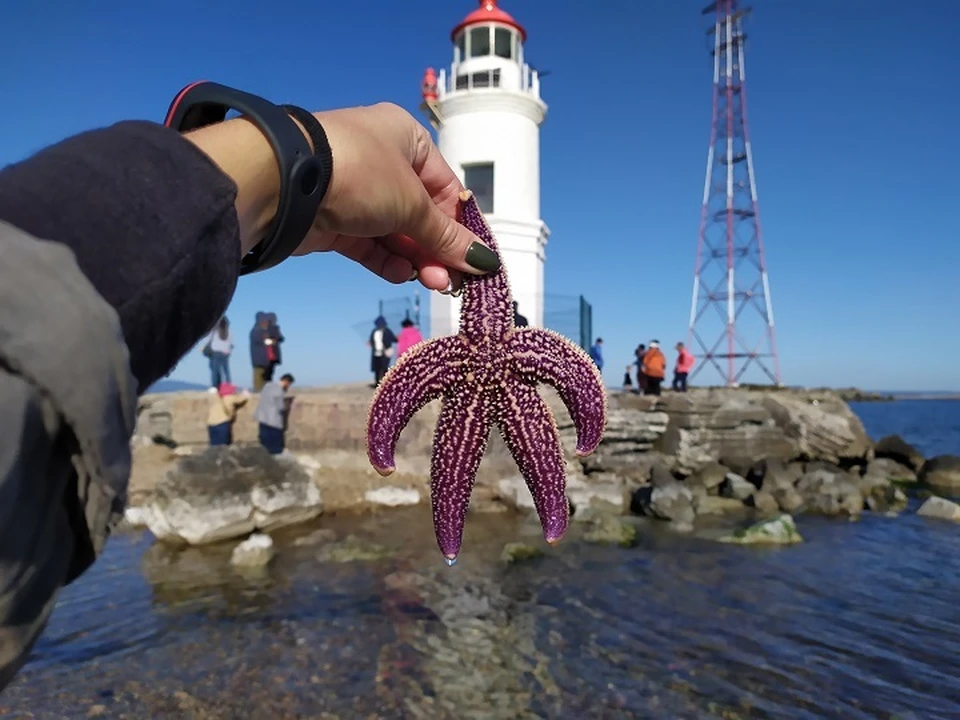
column 392, row 200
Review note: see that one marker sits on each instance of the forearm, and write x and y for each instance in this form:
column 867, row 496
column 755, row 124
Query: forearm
column 254, row 170
column 152, row 223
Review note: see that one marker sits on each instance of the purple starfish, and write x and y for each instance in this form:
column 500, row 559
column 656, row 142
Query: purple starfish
column 488, row 373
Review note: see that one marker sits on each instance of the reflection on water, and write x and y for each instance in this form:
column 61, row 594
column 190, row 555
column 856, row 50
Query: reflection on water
column 858, row 622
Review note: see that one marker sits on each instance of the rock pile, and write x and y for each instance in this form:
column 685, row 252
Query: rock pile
column 749, row 455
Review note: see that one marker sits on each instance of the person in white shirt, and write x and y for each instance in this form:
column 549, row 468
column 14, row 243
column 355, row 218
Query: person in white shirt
column 218, row 347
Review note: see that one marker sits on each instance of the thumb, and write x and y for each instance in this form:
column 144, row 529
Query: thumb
column 449, row 242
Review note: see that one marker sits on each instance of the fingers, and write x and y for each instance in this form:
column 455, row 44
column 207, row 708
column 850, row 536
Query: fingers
column 375, row 257
column 432, row 274
column 392, row 259
column 447, row 241
column 440, row 182
column 435, row 227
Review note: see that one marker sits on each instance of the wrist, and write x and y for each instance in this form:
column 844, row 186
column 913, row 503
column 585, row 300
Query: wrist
column 243, row 153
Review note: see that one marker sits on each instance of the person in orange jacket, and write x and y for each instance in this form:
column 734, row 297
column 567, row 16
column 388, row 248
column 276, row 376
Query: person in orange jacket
column 684, row 366
column 654, row 368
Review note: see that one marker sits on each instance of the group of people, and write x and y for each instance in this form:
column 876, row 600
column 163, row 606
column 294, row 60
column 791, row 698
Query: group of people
column 651, row 368
column 265, row 354
column 385, row 345
column 226, row 399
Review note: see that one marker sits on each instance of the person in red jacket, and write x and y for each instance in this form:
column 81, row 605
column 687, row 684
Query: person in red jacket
column 684, row 366
column 654, row 368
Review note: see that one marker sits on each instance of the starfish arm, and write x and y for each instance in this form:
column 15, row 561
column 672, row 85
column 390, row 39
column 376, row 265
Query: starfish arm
column 458, row 446
column 422, row 374
column 487, row 309
column 545, row 356
column 528, row 429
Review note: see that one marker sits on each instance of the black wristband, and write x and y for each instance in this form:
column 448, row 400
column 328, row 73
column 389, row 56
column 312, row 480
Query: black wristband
column 321, row 146
column 304, row 177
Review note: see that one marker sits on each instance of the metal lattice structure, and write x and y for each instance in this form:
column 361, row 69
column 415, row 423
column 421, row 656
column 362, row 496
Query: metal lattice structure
column 731, row 314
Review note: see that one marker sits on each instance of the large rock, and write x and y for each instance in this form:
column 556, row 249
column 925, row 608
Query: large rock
column 942, row 474
column 896, row 448
column 739, row 427
column 230, row 492
column 708, row 478
column 831, row 493
column 881, row 494
column 667, row 501
column 891, row 470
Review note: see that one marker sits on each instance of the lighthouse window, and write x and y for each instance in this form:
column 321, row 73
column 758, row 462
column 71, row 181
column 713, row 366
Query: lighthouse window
column 481, row 79
column 463, row 82
column 479, row 42
column 479, row 179
column 503, row 43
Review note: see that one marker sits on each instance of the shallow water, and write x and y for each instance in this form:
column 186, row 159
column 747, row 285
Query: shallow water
column 860, row 621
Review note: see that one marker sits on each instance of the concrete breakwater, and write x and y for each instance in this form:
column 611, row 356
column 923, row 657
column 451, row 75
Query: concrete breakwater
column 747, row 454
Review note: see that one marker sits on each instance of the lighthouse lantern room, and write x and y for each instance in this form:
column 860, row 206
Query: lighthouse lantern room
column 487, row 112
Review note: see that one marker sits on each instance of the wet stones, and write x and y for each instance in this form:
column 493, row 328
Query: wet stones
column 781, row 530
column 942, row 475
column 940, row 508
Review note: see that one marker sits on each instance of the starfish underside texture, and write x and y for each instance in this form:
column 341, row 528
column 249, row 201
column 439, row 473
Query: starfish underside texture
column 488, row 374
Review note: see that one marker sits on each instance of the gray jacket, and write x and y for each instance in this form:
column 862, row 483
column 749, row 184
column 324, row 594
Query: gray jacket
column 65, row 434
column 271, row 409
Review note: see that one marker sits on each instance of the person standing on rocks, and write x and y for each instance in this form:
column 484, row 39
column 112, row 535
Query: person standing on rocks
column 272, row 412
column 105, row 286
column 381, row 344
column 409, row 336
column 638, row 363
column 217, row 349
column 654, row 368
column 273, row 341
column 224, row 403
column 596, row 353
column 685, row 363
column 259, row 355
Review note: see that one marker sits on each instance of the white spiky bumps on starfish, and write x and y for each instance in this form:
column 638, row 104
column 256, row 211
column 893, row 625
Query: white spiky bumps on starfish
column 487, row 374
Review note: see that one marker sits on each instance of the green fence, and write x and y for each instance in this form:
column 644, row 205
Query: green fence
column 569, row 315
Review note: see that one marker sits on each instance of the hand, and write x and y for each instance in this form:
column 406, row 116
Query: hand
column 392, row 200
column 390, row 206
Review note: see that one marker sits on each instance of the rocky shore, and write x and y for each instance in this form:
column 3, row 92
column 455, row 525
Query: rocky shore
column 737, row 465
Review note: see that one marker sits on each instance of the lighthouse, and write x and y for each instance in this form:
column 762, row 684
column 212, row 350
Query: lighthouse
column 487, row 113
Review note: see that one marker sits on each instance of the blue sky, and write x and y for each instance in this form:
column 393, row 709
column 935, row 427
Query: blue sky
column 853, row 107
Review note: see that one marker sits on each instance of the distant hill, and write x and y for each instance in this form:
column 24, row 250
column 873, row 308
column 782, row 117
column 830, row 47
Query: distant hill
column 167, row 385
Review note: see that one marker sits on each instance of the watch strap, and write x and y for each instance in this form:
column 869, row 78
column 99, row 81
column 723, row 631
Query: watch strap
column 303, row 175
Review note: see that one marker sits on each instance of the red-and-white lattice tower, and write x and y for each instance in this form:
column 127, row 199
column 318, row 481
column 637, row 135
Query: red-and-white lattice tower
column 731, row 315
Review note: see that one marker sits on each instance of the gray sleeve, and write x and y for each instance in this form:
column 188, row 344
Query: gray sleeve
column 67, row 410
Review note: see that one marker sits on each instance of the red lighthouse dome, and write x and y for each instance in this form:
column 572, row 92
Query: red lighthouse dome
column 488, row 12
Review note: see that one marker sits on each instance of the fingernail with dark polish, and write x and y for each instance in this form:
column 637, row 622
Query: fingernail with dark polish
column 482, row 258
column 414, row 275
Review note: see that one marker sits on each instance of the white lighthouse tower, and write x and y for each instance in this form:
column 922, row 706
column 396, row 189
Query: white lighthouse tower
column 487, row 112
